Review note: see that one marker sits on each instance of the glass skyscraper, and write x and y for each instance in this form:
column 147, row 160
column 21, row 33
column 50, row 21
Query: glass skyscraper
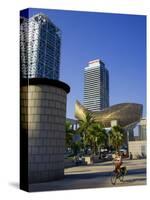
column 96, row 86
column 40, row 42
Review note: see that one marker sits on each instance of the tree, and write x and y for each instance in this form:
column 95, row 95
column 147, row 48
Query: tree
column 84, row 126
column 69, row 134
column 116, row 137
column 76, row 146
column 96, row 137
column 70, row 142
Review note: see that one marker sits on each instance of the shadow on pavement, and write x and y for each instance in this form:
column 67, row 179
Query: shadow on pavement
column 88, row 180
column 87, row 175
column 135, row 180
column 136, row 171
column 103, row 164
column 102, row 174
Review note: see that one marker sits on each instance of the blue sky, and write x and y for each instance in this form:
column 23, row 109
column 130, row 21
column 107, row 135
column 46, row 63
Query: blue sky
column 119, row 40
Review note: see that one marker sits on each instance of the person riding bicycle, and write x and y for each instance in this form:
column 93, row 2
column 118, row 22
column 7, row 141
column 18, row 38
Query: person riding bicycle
column 120, row 171
column 118, row 162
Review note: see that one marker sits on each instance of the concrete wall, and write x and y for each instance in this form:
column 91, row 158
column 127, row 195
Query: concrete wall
column 137, row 148
column 43, row 115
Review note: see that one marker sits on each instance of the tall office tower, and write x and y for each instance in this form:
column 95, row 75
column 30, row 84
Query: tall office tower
column 96, row 86
column 40, row 42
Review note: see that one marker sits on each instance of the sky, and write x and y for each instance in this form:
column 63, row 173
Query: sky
column 118, row 40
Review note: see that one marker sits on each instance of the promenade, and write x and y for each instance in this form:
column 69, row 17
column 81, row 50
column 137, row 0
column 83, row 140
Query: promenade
column 97, row 175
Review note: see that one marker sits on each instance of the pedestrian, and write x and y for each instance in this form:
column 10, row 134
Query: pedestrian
column 131, row 156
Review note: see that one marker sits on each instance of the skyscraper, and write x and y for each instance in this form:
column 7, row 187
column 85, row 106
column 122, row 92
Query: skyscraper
column 40, row 42
column 96, row 86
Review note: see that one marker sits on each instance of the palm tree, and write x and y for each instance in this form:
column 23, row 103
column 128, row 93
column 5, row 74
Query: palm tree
column 116, row 137
column 84, row 126
column 69, row 134
column 96, row 137
column 70, row 143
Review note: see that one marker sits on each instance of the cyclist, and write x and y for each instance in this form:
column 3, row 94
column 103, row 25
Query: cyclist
column 118, row 162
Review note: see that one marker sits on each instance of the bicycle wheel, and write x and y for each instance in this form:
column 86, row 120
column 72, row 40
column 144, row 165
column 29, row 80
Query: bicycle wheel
column 113, row 178
column 121, row 178
column 123, row 172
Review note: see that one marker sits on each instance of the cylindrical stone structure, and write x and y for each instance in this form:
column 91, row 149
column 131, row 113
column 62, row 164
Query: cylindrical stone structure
column 42, row 135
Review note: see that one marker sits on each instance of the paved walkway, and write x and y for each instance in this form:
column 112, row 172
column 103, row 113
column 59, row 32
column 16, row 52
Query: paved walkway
column 96, row 176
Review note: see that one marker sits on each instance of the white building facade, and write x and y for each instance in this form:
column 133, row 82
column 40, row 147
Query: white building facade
column 96, row 86
column 142, row 129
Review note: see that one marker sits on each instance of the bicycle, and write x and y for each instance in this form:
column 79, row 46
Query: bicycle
column 118, row 175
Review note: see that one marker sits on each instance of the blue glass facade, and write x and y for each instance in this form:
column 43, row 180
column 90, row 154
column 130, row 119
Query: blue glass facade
column 40, row 43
